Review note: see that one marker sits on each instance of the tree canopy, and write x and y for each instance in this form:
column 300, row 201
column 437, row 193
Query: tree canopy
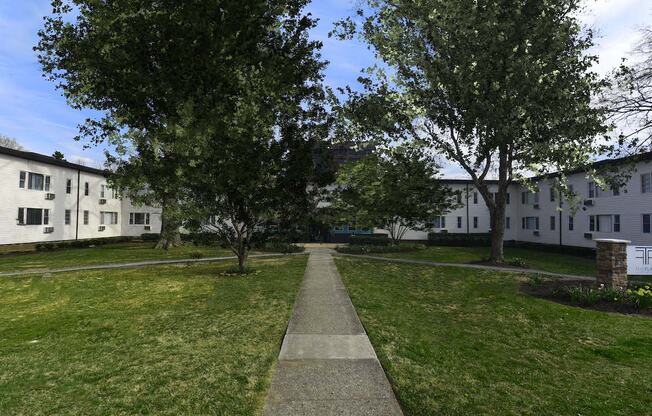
column 500, row 88
column 396, row 189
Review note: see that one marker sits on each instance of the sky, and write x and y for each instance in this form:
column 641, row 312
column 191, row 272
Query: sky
column 34, row 113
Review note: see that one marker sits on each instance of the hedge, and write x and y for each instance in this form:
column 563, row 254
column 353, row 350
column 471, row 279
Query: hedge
column 459, row 239
column 376, row 249
column 59, row 245
column 370, row 240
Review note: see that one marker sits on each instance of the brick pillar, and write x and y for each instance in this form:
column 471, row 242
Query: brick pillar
column 611, row 258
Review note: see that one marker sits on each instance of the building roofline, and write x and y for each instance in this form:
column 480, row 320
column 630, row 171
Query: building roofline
column 37, row 157
column 639, row 157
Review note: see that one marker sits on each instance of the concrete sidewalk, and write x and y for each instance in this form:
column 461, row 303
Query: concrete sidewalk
column 327, row 365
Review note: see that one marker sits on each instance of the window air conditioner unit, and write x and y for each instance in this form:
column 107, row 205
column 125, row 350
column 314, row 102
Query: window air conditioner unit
column 588, row 202
column 101, row 228
column 48, row 230
column 147, row 228
column 536, row 233
column 588, row 236
column 102, row 201
column 49, row 196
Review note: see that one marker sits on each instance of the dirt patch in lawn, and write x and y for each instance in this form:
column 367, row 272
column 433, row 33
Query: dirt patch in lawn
column 556, row 290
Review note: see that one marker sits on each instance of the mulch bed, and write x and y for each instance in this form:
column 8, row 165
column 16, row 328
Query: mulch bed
column 552, row 290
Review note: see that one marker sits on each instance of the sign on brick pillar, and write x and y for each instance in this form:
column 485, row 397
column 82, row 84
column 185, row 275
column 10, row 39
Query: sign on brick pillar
column 611, row 256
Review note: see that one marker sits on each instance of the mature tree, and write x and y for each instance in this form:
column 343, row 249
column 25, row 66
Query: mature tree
column 396, row 190
column 10, row 142
column 500, row 87
column 255, row 166
column 630, row 98
column 163, row 75
column 58, row 155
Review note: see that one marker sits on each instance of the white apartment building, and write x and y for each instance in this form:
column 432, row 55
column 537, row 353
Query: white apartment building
column 46, row 199
column 541, row 217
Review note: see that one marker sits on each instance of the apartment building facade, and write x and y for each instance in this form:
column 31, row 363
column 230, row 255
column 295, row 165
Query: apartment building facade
column 541, row 216
column 46, row 199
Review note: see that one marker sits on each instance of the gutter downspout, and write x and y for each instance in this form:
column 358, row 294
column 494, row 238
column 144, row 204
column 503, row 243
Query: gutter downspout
column 467, row 209
column 561, row 229
column 77, row 219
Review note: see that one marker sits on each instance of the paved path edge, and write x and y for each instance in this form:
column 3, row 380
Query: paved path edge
column 140, row 264
column 470, row 266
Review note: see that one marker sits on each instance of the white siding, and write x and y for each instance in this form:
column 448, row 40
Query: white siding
column 14, row 197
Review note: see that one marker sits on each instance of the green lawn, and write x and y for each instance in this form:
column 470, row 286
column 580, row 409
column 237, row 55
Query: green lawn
column 535, row 259
column 159, row 340
column 110, row 253
column 466, row 342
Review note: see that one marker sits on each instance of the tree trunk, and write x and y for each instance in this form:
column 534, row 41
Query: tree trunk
column 170, row 235
column 242, row 260
column 497, row 234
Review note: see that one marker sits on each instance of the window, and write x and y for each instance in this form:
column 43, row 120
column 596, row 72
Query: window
column 35, row 181
column 102, row 189
column 507, row 223
column 593, row 190
column 459, row 198
column 86, row 188
column 46, row 216
column 646, row 223
column 604, row 223
column 439, row 222
column 552, row 222
column 530, row 223
column 110, row 218
column 529, row 198
column 571, row 223
column 21, row 181
column 68, row 186
column 615, row 189
column 86, row 217
column 66, row 218
column 47, row 183
column 475, row 222
column 21, row 216
column 646, row 183
column 34, row 216
column 507, row 198
column 459, row 222
column 475, row 197
column 142, row 218
column 552, row 194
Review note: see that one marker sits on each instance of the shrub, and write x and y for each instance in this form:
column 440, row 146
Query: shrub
column 150, row 236
column 370, row 240
column 372, row 249
column 196, row 255
column 459, row 239
column 518, row 262
column 535, row 280
column 282, row 247
column 60, row 245
column 639, row 298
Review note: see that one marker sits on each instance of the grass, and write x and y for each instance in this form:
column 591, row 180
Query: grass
column 466, row 342
column 110, row 253
column 159, row 340
column 535, row 259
